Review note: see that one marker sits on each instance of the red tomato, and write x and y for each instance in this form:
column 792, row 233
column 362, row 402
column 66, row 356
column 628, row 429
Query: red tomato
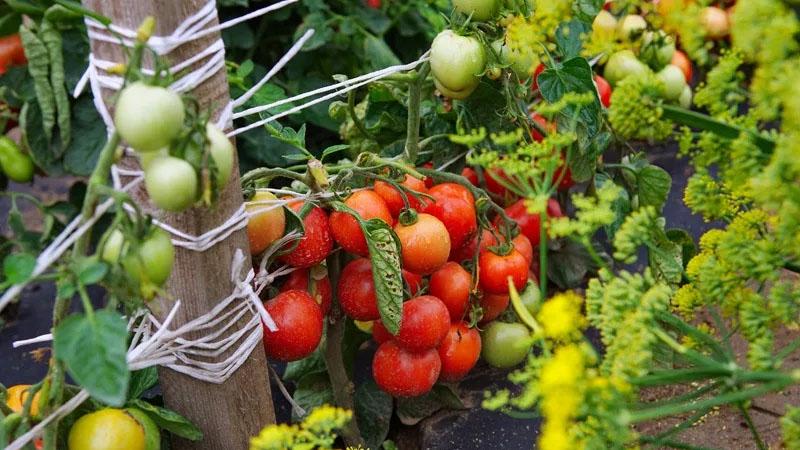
column 494, row 186
column 470, row 174
column 424, row 324
column 603, row 90
column 524, row 247
column 299, row 321
column 566, row 181
column 428, row 180
column 425, row 244
column 319, row 289
column 529, row 223
column 374, row 4
column 455, row 207
column 11, row 52
column 539, row 69
column 345, row 228
column 413, row 280
column 459, row 351
column 402, row 373
column 392, row 197
column 452, row 285
column 315, row 244
column 548, row 126
column 494, row 271
column 379, row 332
column 682, row 61
column 493, row 305
column 357, row 291
column 470, row 248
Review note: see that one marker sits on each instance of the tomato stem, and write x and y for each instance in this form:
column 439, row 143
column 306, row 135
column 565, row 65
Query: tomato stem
column 414, row 97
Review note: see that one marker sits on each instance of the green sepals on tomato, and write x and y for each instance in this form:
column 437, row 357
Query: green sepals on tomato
column 299, row 321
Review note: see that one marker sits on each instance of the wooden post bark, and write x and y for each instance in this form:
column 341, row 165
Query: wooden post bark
column 232, row 412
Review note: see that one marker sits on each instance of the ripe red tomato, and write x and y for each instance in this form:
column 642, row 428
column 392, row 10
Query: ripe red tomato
column 11, row 52
column 455, row 207
column 470, row 248
column 320, row 290
column 459, row 351
column 379, row 332
column 539, row 69
column 402, row 373
column 315, row 244
column 566, row 180
column 425, row 244
column 428, row 180
column 299, row 321
column 413, row 280
column 357, row 290
column 493, row 178
column 603, row 90
column 529, row 223
column 392, row 197
column 470, row 174
column 682, row 61
column 452, row 284
column 494, row 271
column 424, row 324
column 548, row 126
column 374, row 4
column 524, row 247
column 493, row 305
column 346, row 230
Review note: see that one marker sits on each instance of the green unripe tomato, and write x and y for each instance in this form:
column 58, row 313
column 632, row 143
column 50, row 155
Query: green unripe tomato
column 631, row 26
column 171, row 183
column 458, row 95
column 604, row 26
column 157, row 254
column 685, row 100
column 505, row 345
column 146, row 158
column 521, row 64
column 222, row 151
column 16, row 164
column 457, row 62
column 114, row 247
column 622, row 65
column 480, row 9
column 148, row 117
column 657, row 49
column 110, row 429
column 674, row 81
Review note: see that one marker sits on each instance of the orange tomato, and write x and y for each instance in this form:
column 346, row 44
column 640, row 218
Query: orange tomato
column 267, row 222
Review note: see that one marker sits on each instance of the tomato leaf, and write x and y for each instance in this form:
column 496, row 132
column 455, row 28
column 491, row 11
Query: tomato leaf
column 568, row 37
column 312, row 391
column 169, row 420
column 684, row 239
column 586, row 10
column 373, row 410
column 90, row 270
column 654, row 184
column 94, row 351
column 412, row 410
column 311, row 365
column 569, row 265
column 18, row 267
column 142, row 380
column 384, row 253
column 379, row 53
column 573, row 75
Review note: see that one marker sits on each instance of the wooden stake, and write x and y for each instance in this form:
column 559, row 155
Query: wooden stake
column 230, row 413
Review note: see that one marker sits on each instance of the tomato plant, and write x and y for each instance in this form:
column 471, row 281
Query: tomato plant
column 346, row 229
column 424, row 324
column 299, row 321
column 505, row 344
column 317, row 240
column 424, row 243
column 452, row 285
column 459, row 351
column 403, row 373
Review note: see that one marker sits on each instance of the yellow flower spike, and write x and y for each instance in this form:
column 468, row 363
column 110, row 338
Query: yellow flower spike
column 561, row 316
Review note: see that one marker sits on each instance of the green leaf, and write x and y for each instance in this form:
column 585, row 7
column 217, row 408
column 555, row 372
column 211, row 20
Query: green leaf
column 310, row 365
column 568, row 266
column 378, row 53
column 666, row 259
column 312, row 391
column 94, row 351
column 568, row 38
column 51, row 38
column 573, row 75
column 333, row 149
column 90, row 270
column 18, row 267
column 142, row 380
column 654, row 184
column 621, row 206
column 412, row 410
column 39, row 67
column 586, row 10
column 169, row 420
column 80, row 156
column 684, row 239
column 384, row 253
column 373, row 411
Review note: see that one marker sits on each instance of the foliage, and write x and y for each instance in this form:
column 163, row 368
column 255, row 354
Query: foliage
column 315, row 431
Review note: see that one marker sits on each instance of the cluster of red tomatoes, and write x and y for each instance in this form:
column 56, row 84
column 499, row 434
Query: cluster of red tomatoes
column 438, row 231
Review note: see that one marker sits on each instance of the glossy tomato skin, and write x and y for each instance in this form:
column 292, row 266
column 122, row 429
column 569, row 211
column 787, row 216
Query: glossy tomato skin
column 455, row 207
column 540, row 120
column 299, row 320
column 413, row 281
column 452, row 284
column 459, row 351
column 565, row 181
column 317, row 241
column 424, row 324
column 425, row 244
column 402, row 373
column 112, row 428
column 470, row 174
column 379, row 332
column 356, row 290
column 529, row 223
column 171, row 183
column 524, row 247
column 603, row 90
column 468, row 249
column 148, row 117
column 495, row 270
column 505, row 344
column 346, row 230
column 392, row 197
column 493, row 305
column 267, row 224
column 320, row 289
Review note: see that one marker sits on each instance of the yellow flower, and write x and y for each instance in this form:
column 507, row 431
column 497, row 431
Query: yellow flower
column 326, row 418
column 276, row 437
column 561, row 316
column 556, row 436
column 564, row 369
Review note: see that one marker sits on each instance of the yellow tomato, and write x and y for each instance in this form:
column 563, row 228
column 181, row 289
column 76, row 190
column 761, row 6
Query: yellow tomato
column 114, row 429
column 16, row 397
column 267, row 222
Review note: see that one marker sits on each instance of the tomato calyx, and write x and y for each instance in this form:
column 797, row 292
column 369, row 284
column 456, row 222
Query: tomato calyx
column 408, row 217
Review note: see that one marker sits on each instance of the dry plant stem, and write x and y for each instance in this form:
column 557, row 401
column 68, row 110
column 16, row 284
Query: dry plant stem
column 343, row 388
